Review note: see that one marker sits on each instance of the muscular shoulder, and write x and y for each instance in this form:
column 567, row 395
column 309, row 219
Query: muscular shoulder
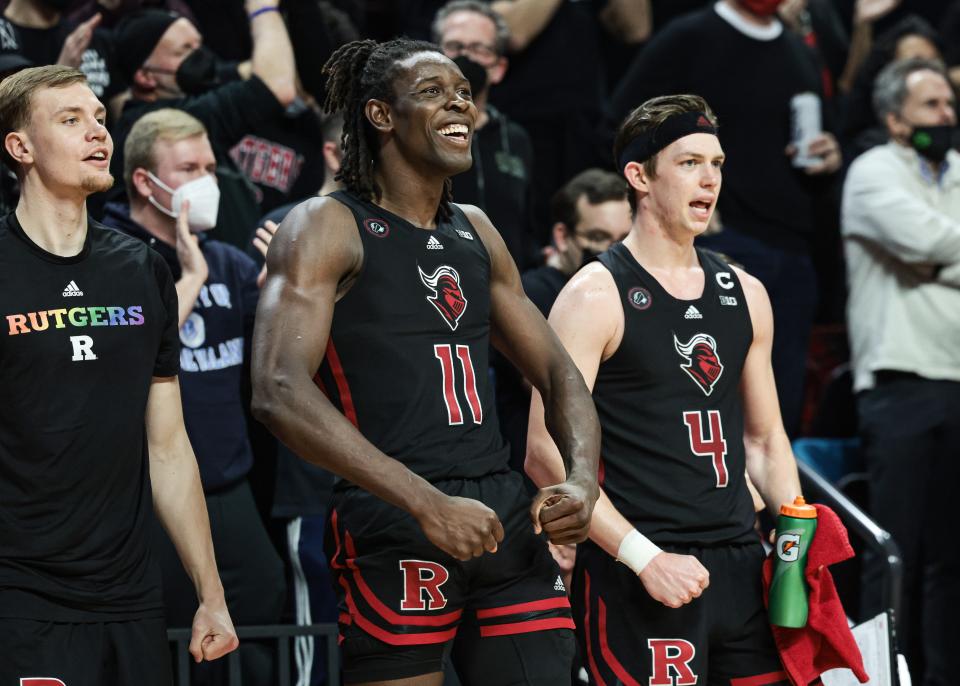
column 319, row 232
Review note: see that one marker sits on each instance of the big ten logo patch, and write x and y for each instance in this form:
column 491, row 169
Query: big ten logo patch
column 421, row 585
column 671, row 658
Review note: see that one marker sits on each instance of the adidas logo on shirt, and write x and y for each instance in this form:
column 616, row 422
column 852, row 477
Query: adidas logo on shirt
column 692, row 313
column 72, row 290
column 559, row 585
column 434, row 244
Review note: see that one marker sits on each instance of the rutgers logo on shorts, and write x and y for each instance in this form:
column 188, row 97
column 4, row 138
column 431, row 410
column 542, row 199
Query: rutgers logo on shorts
column 421, row 585
column 671, row 658
column 40, row 681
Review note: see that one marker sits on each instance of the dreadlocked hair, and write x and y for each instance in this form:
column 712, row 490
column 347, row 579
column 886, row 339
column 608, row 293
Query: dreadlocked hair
column 356, row 73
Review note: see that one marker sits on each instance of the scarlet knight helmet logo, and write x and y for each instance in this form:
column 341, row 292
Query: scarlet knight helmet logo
column 447, row 296
column 702, row 363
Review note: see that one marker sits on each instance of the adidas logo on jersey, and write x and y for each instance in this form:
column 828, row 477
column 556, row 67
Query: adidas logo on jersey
column 727, row 300
column 559, row 585
column 72, row 290
column 434, row 244
column 465, row 234
column 692, row 313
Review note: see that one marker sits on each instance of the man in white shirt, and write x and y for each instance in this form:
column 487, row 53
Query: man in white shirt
column 901, row 228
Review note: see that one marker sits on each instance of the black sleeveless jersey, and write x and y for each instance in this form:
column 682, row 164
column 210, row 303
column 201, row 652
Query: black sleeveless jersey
column 670, row 407
column 407, row 362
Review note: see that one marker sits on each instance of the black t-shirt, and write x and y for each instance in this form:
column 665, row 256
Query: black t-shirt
column 42, row 46
column 748, row 83
column 283, row 157
column 559, row 71
column 407, row 358
column 85, row 336
column 670, row 408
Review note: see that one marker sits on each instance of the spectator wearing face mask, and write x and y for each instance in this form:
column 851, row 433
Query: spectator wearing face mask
column 169, row 175
column 167, row 65
column 901, row 230
column 499, row 182
column 590, row 213
column 39, row 31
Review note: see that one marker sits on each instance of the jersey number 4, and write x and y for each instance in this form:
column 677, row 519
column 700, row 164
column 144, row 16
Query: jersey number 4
column 444, row 353
column 713, row 446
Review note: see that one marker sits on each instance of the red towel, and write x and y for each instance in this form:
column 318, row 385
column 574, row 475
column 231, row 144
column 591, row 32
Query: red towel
column 826, row 642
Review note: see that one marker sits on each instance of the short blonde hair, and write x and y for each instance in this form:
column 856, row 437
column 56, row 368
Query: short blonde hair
column 167, row 124
column 16, row 98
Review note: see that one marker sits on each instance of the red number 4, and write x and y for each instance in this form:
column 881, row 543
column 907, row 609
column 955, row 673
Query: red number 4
column 454, row 413
column 713, row 446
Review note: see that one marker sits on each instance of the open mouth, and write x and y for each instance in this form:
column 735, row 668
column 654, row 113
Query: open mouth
column 701, row 207
column 455, row 132
column 98, row 156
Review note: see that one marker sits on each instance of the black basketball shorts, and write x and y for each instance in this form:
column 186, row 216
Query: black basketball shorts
column 721, row 638
column 404, row 603
column 44, row 653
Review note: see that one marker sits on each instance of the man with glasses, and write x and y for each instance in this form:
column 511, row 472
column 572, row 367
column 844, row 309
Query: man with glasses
column 475, row 37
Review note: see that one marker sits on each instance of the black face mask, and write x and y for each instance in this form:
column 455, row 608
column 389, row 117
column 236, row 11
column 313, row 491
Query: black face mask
column 475, row 73
column 198, row 73
column 933, row 142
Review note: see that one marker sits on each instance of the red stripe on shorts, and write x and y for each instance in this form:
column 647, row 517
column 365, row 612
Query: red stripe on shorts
column 534, row 606
column 607, row 654
column 591, row 663
column 390, row 637
column 384, row 611
column 527, row 626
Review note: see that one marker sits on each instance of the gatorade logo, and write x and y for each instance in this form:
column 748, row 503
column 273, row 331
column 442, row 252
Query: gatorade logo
column 788, row 547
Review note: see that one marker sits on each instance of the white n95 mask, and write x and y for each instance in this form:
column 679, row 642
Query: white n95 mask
column 204, row 196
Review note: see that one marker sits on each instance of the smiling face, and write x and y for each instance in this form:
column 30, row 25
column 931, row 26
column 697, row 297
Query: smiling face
column 683, row 196
column 431, row 120
column 65, row 142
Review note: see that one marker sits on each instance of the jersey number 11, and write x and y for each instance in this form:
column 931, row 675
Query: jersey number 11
column 444, row 353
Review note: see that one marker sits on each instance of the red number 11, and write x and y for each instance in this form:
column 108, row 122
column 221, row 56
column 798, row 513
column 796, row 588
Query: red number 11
column 454, row 413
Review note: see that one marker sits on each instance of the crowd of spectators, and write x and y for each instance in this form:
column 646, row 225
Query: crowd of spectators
column 233, row 89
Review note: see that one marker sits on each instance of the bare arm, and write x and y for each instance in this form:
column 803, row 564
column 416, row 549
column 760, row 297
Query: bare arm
column 588, row 319
column 272, row 58
column 770, row 461
column 525, row 18
column 311, row 263
column 193, row 266
column 180, row 506
column 520, row 332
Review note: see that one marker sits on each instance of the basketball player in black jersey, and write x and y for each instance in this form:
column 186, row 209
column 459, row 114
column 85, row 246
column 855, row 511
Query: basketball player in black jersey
column 370, row 359
column 675, row 344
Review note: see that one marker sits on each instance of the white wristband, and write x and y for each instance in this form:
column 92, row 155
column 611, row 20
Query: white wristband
column 636, row 551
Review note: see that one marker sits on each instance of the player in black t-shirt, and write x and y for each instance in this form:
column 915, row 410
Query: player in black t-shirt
column 91, row 430
column 370, row 359
column 675, row 344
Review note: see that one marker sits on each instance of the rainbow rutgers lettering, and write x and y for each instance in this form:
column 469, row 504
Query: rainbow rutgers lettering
column 78, row 317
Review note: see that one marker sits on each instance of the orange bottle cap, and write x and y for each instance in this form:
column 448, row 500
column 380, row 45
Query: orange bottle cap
column 799, row 509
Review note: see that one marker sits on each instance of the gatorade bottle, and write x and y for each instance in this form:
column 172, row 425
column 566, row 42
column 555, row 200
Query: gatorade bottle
column 788, row 589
